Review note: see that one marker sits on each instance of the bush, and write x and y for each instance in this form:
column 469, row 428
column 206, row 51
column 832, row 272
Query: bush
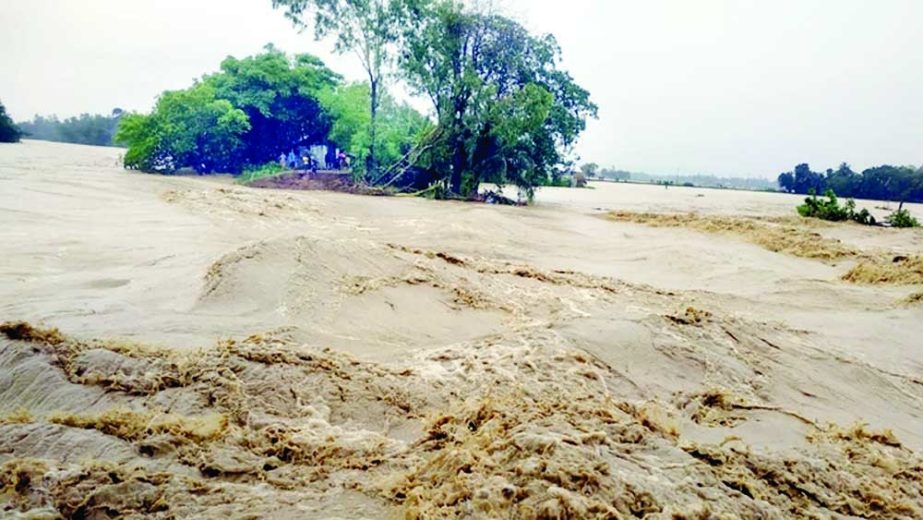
column 266, row 170
column 902, row 219
column 862, row 217
column 830, row 209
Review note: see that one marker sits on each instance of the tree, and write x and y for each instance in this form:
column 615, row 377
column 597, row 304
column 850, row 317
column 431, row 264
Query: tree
column 787, row 182
column 370, row 28
column 400, row 126
column 505, row 111
column 843, row 181
column 280, row 96
column 188, row 128
column 9, row 132
column 590, row 169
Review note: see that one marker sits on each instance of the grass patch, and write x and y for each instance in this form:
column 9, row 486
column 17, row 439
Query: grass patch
column 270, row 169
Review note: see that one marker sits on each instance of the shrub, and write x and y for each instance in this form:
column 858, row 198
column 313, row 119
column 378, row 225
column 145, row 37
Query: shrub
column 902, row 219
column 830, row 209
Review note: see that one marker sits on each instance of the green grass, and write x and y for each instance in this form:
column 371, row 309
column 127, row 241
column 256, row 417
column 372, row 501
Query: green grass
column 270, row 169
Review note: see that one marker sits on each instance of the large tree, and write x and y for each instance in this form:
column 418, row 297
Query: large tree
column 246, row 114
column 188, row 128
column 506, row 112
column 9, row 132
column 369, row 28
column 279, row 95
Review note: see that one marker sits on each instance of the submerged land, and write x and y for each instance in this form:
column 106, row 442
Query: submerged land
column 188, row 347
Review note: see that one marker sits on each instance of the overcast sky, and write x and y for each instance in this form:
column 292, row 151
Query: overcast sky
column 731, row 87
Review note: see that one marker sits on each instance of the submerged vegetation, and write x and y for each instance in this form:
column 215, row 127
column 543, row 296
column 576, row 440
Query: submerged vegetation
column 902, row 219
column 830, row 209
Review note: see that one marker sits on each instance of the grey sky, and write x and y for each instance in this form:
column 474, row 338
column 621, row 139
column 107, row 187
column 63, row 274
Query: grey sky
column 732, row 87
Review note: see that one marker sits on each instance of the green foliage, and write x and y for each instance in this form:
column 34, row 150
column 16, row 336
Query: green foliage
column 902, row 219
column 188, row 128
column 400, row 126
column 505, row 112
column 347, row 107
column 90, row 129
column 269, row 169
column 280, row 97
column 557, row 181
column 370, row 28
column 9, row 132
column 897, row 183
column 248, row 113
column 830, row 209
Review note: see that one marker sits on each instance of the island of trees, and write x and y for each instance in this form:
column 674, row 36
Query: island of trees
column 502, row 109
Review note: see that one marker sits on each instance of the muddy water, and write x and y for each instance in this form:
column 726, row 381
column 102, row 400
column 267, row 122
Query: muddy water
column 240, row 352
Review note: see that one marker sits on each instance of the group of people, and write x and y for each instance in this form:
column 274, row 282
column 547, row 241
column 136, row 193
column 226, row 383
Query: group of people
column 307, row 162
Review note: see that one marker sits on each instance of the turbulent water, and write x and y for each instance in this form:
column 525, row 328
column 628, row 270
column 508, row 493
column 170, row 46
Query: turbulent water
column 179, row 347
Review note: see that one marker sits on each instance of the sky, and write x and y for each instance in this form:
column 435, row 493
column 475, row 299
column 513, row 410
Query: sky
column 727, row 87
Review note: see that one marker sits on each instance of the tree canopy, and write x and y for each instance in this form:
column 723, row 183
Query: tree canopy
column 248, row 113
column 280, row 97
column 505, row 112
column 895, row 183
column 255, row 108
column 9, row 132
column 188, row 128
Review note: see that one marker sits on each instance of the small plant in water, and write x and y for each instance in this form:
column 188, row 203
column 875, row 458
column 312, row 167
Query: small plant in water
column 902, row 219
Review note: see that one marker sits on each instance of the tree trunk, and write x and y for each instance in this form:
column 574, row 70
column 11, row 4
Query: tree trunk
column 458, row 164
column 371, row 165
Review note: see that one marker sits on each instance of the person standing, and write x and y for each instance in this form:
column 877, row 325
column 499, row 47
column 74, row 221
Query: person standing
column 292, row 160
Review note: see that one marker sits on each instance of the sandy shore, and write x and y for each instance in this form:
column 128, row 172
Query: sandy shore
column 240, row 351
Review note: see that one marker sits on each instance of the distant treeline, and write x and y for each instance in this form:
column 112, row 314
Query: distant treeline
column 711, row 181
column 9, row 133
column 92, row 129
column 894, row 183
